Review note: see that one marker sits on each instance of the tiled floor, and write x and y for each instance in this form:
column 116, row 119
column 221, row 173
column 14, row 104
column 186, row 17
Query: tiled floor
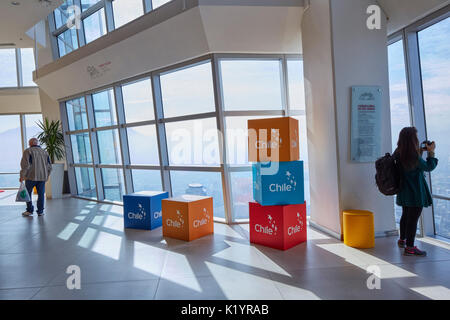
column 130, row 264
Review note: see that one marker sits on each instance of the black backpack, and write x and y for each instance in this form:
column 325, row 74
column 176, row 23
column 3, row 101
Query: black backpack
column 389, row 176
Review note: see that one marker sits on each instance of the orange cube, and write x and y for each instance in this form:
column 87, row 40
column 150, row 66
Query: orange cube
column 274, row 139
column 187, row 217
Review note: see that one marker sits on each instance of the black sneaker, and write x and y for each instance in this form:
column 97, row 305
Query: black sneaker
column 40, row 214
column 401, row 243
column 414, row 252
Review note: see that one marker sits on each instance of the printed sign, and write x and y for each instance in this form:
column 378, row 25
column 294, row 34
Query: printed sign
column 366, row 123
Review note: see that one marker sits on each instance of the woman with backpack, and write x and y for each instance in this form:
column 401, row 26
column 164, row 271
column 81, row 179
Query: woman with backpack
column 414, row 194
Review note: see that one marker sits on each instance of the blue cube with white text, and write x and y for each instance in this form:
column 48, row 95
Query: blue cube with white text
column 142, row 210
column 278, row 183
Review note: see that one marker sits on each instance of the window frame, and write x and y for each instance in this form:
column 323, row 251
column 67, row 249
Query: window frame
column 409, row 35
column 219, row 114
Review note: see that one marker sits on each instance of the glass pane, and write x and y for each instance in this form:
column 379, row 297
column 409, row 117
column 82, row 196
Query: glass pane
column 146, row 180
column 434, row 44
column 251, row 84
column 188, row 91
column 76, row 114
column 237, row 140
column 158, row 3
column 126, row 11
column 296, row 85
column 85, row 182
column 28, row 66
column 8, row 71
column 86, row 4
column 10, row 137
column 62, row 15
column 193, row 142
column 31, row 125
column 241, row 193
column 9, row 180
column 104, row 108
column 398, row 91
column 143, row 145
column 442, row 216
column 67, row 41
column 113, row 185
column 95, row 26
column 200, row 183
column 138, row 101
column 109, row 147
column 81, row 148
column 303, row 144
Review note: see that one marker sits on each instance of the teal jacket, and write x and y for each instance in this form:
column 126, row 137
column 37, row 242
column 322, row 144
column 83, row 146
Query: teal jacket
column 414, row 191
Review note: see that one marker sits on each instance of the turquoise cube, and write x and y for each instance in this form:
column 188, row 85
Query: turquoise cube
column 278, row 183
column 142, row 210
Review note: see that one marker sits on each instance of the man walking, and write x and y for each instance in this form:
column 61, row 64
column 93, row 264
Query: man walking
column 35, row 170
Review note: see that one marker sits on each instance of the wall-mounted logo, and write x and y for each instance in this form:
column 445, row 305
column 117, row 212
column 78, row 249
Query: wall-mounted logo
column 176, row 223
column 99, row 70
column 140, row 215
column 270, row 228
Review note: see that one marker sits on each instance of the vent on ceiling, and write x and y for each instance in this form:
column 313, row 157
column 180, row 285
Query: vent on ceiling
column 7, row 44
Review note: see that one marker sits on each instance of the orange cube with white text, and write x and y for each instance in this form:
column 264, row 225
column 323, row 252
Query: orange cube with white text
column 187, row 217
column 273, row 139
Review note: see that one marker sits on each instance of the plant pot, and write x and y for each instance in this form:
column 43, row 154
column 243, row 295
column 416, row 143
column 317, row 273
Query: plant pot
column 54, row 185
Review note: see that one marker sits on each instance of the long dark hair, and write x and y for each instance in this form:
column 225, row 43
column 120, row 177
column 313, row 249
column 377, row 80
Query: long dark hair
column 408, row 148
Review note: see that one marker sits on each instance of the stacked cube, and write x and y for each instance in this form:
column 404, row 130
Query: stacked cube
column 278, row 217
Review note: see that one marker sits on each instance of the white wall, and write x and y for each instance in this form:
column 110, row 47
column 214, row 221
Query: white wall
column 19, row 100
column 340, row 52
column 360, row 58
column 320, row 116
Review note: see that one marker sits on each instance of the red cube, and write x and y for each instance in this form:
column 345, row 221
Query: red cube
column 279, row 227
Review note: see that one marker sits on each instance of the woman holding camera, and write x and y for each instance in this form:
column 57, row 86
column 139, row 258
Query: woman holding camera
column 414, row 194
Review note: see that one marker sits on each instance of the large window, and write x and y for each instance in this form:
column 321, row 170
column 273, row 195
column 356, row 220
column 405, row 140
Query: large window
column 8, row 68
column 94, row 15
column 188, row 91
column 126, row 11
column 173, row 136
column 398, row 91
column 434, row 45
column 15, row 130
column 251, row 84
column 94, row 26
column 28, row 66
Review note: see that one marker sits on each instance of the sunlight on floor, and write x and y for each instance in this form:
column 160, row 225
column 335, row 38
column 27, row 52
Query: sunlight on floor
column 107, row 244
column 433, row 292
column 87, row 238
column 363, row 260
column 148, row 258
column 68, row 231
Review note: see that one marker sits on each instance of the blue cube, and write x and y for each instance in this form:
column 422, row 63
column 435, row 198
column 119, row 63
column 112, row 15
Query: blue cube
column 278, row 183
column 142, row 210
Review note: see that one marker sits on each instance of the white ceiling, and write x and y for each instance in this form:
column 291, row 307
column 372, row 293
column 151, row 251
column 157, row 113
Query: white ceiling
column 16, row 20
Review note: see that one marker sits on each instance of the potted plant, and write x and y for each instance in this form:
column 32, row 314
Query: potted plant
column 52, row 140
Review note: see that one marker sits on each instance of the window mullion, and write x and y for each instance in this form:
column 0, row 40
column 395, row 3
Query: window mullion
column 18, row 68
column 109, row 15
column 124, row 148
column 94, row 148
column 221, row 126
column 69, row 151
column 161, row 134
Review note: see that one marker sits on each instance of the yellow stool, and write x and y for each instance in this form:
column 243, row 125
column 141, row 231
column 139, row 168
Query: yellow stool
column 359, row 230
